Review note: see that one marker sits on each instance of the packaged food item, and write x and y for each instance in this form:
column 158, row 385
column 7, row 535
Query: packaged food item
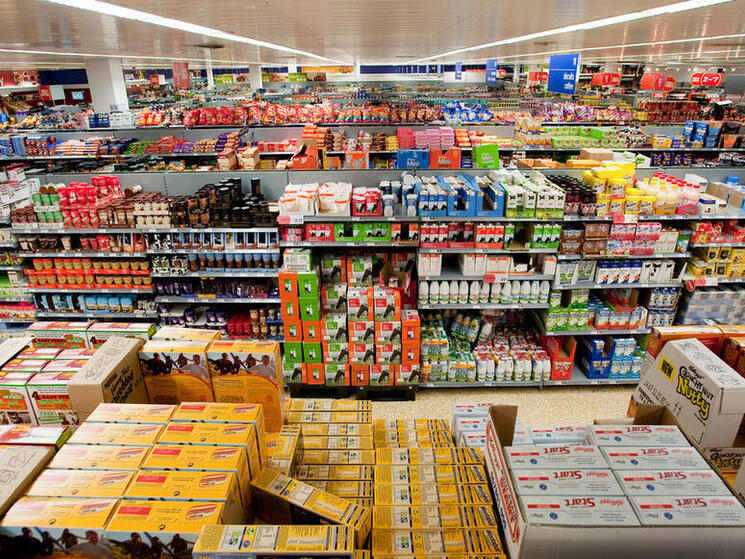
column 672, row 482
column 130, row 434
column 182, row 333
column 635, row 435
column 578, row 510
column 448, row 542
column 422, row 494
column 45, row 435
column 689, row 511
column 429, row 474
column 99, row 332
column 99, row 457
column 594, row 483
column 421, row 456
column 131, row 413
column 21, row 465
column 654, row 457
column 336, row 429
column 451, row 517
column 81, row 483
column 340, row 472
column 563, row 457
column 176, row 371
column 16, row 406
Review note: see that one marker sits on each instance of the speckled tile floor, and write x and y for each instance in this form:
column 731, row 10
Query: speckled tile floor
column 550, row 406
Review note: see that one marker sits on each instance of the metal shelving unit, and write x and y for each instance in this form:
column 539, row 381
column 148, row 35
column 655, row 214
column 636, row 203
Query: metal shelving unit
column 236, row 273
column 478, row 306
column 213, row 251
column 585, row 285
column 123, row 315
column 623, row 256
column 85, row 290
column 212, row 299
column 449, row 250
column 64, row 254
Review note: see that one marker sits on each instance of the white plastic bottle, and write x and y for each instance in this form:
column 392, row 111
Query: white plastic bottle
column 444, row 293
column 506, row 296
column 473, row 293
column 535, row 290
column 463, row 292
column 490, row 369
column 517, row 369
column 545, row 290
column 423, row 292
column 453, row 292
column 496, row 292
column 485, row 332
column 434, row 292
column 525, row 292
column 515, row 292
column 484, row 295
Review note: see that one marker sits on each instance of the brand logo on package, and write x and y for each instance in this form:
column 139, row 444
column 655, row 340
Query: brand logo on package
column 691, row 387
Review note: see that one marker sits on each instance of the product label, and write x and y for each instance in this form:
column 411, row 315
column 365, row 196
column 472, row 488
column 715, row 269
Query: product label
column 555, row 456
column 579, row 511
column 566, row 482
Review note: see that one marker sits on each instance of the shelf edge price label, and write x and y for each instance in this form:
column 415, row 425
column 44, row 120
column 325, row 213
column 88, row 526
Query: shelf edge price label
column 291, row 219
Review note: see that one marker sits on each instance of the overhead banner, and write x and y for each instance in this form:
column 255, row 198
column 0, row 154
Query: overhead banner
column 181, row 76
column 491, row 70
column 223, row 79
column 654, row 81
column 563, row 70
column 458, row 70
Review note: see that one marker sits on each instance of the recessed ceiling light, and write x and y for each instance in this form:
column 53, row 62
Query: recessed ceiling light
column 136, row 15
column 587, row 26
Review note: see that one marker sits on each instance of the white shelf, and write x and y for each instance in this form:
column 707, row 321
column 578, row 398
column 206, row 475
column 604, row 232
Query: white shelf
column 78, row 314
column 62, row 254
column 236, row 273
column 449, row 250
column 209, row 300
column 478, row 306
column 584, row 285
column 623, row 256
column 86, row 290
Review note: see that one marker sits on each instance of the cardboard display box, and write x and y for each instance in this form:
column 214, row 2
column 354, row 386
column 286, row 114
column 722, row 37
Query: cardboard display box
column 528, row 539
column 452, row 543
column 61, row 334
column 99, row 332
column 341, row 472
column 183, row 333
column 20, row 466
column 111, row 375
column 46, row 435
column 131, row 413
column 451, row 517
column 16, row 405
column 131, row 434
column 81, row 483
column 176, row 371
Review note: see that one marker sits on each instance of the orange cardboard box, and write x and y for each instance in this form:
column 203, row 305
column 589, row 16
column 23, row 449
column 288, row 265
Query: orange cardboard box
column 288, row 285
column 312, row 331
column 732, row 350
column 410, row 326
column 710, row 336
column 293, row 330
column 314, row 373
column 359, row 375
column 410, row 353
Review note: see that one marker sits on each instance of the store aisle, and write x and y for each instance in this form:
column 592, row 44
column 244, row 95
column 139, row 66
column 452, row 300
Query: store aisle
column 550, row 406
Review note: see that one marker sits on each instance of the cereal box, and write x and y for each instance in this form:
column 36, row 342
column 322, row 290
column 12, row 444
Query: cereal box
column 561, row 457
column 99, row 457
column 600, row 482
column 579, row 510
column 99, row 332
column 689, row 511
column 15, row 403
column 81, row 483
column 672, row 482
column 249, row 372
column 176, row 371
column 50, row 397
column 654, row 457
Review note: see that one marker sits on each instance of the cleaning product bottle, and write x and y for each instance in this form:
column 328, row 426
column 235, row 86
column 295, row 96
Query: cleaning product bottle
column 423, row 292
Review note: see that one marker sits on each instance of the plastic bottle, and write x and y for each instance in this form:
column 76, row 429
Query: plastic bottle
column 444, row 293
column 434, row 292
column 423, row 292
column 535, row 290
column 545, row 290
column 453, row 292
column 525, row 292
column 463, row 292
column 490, row 369
column 473, row 329
column 515, row 292
column 484, row 295
column 473, row 293
column 495, row 292
column 506, row 295
column 509, row 367
column 485, row 331
column 517, row 368
column 500, row 372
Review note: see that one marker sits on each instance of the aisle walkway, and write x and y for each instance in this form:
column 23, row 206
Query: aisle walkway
column 550, row 406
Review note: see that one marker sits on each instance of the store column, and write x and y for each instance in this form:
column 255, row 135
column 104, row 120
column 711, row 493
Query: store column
column 106, row 81
column 254, row 76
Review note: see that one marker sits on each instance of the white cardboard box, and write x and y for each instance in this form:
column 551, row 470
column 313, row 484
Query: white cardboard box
column 694, row 511
column 672, row 483
column 706, row 396
column 555, row 457
column 566, row 482
column 654, row 457
column 589, row 511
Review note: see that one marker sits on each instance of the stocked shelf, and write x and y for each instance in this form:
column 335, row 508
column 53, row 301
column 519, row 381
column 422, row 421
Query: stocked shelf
column 236, row 273
column 448, row 275
column 622, row 256
column 476, row 306
column 16, row 300
column 82, row 290
column 579, row 378
column 488, row 250
column 342, row 244
column 354, row 218
column 477, row 384
column 9, row 245
column 154, row 230
column 488, row 218
column 596, row 332
column 10, row 268
column 585, row 285
column 122, row 315
column 213, row 251
column 62, row 254
column 728, row 244
column 214, row 299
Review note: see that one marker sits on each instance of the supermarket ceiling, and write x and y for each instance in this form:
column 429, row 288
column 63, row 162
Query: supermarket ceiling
column 326, row 32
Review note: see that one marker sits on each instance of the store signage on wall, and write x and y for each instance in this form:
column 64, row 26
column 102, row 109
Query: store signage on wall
column 155, row 79
column 181, row 76
column 563, row 70
column 328, row 69
column 458, row 70
column 706, row 79
column 297, row 77
column 491, row 70
column 19, row 78
column 501, row 73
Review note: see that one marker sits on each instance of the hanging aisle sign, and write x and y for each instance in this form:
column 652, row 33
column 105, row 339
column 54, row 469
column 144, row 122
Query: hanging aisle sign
column 458, row 70
column 491, row 70
column 563, row 70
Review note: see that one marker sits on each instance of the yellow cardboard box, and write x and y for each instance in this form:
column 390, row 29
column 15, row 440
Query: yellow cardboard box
column 163, row 526
column 176, row 371
column 286, row 541
column 251, row 373
column 191, row 458
column 449, row 542
column 288, row 450
column 451, row 517
column 283, row 500
column 227, row 413
column 175, row 333
column 297, row 404
column 338, row 443
column 430, row 474
column 339, row 457
column 215, row 434
column 131, row 413
column 64, row 528
column 130, row 434
column 336, row 429
column 344, row 488
column 169, row 485
column 474, row 494
column 419, row 456
column 99, row 457
column 109, row 484
column 340, row 472
column 411, row 425
column 329, row 417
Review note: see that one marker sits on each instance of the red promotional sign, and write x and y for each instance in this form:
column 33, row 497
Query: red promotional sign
column 654, row 81
column 670, row 83
column 597, row 78
column 45, row 93
column 711, row 80
column 181, row 76
column 544, row 76
column 501, row 73
column 696, row 78
column 614, row 78
column 154, row 79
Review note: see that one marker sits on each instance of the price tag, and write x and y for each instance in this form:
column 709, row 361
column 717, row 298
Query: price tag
column 205, row 296
column 489, row 278
column 291, row 219
column 625, row 218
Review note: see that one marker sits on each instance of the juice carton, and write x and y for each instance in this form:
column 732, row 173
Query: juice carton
column 176, row 371
column 249, row 372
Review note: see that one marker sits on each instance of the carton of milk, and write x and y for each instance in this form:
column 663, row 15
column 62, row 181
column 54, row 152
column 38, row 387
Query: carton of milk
column 597, row 482
column 689, row 511
column 564, row 457
column 635, row 435
column 654, row 457
column 672, row 483
column 562, row 434
column 579, row 510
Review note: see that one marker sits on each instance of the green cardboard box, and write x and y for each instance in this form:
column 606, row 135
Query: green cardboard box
column 334, row 328
column 308, row 284
column 486, row 156
column 377, row 232
column 292, row 372
column 294, row 351
column 336, row 352
column 312, row 352
column 310, row 308
column 349, row 231
column 337, row 374
column 334, row 297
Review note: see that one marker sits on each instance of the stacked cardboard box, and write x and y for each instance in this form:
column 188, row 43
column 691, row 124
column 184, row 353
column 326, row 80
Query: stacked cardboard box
column 340, row 329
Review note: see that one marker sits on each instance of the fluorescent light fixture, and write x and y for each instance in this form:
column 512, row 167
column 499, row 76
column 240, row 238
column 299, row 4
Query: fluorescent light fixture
column 587, row 26
column 107, row 9
column 123, row 56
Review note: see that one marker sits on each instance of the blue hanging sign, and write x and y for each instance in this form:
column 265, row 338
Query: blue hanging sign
column 563, row 70
column 458, row 70
column 491, row 70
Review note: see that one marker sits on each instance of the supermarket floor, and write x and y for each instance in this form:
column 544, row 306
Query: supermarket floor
column 550, row 406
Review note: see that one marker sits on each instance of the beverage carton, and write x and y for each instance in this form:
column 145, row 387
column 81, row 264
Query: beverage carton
column 176, row 371
column 249, row 372
column 110, row 484
column 99, row 457
column 654, row 457
column 672, row 482
column 579, row 511
column 635, row 435
column 560, row 457
column 689, row 511
column 595, row 483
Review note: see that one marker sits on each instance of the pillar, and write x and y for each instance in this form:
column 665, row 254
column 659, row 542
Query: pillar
column 106, row 82
column 254, row 76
